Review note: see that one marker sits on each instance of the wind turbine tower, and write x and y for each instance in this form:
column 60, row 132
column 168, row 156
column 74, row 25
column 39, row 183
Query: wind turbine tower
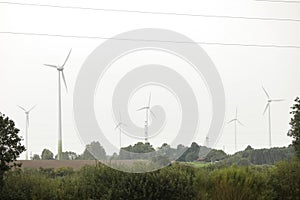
column 235, row 120
column 119, row 126
column 207, row 141
column 148, row 112
column 27, row 126
column 60, row 70
column 268, row 107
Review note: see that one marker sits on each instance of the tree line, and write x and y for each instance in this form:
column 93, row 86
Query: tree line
column 243, row 175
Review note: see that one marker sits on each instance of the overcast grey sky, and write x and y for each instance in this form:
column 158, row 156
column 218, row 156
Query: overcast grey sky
column 25, row 81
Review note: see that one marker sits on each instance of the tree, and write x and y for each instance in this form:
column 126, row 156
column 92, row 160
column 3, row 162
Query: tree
column 142, row 148
column 249, row 148
column 285, row 180
column 295, row 126
column 215, row 155
column 93, row 151
column 36, row 157
column 191, row 154
column 167, row 151
column 10, row 145
column 47, row 155
column 86, row 155
column 68, row 155
column 137, row 151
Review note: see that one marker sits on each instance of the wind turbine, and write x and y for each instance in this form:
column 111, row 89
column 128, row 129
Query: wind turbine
column 268, row 107
column 60, row 70
column 148, row 110
column 207, row 141
column 119, row 125
column 27, row 126
column 235, row 120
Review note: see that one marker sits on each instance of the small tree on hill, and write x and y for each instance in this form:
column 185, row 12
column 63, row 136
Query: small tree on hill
column 10, row 145
column 295, row 126
column 36, row 157
column 68, row 155
column 93, row 151
column 47, row 155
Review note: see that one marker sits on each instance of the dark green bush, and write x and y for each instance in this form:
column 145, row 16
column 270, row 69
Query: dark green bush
column 239, row 183
column 286, row 180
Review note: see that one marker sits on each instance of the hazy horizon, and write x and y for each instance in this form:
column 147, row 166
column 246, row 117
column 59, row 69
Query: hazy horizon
column 243, row 69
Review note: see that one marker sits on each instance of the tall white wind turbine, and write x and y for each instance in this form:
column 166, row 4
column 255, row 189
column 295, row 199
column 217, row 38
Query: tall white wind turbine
column 235, row 120
column 119, row 126
column 268, row 107
column 148, row 111
column 27, row 126
column 60, row 70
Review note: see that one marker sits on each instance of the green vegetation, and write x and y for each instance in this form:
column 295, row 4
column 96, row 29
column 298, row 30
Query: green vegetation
column 252, row 156
column 196, row 164
column 130, row 152
column 295, row 126
column 178, row 181
column 47, row 155
column 10, row 145
column 93, row 151
column 36, row 157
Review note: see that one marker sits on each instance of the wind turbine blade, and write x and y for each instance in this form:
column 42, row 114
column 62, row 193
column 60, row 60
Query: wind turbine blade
column 266, row 92
column 231, row 121
column 32, row 108
column 277, row 100
column 236, row 113
column 267, row 106
column 51, row 66
column 143, row 108
column 120, row 117
column 22, row 108
column 153, row 114
column 64, row 79
column 67, row 58
column 149, row 100
column 118, row 125
column 240, row 122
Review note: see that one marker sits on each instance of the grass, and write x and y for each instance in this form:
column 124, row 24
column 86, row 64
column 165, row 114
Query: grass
column 196, row 164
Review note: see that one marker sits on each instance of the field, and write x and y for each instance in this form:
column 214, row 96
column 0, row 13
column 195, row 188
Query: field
column 196, row 164
column 75, row 164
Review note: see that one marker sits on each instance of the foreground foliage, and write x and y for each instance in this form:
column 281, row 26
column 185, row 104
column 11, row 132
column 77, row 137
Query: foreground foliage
column 10, row 145
column 295, row 126
column 179, row 181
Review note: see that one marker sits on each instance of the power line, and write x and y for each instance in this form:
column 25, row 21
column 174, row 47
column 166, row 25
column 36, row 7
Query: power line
column 153, row 12
column 278, row 1
column 149, row 40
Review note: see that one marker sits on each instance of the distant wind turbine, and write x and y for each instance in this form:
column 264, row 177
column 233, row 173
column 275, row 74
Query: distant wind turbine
column 268, row 107
column 60, row 70
column 235, row 120
column 207, row 141
column 119, row 126
column 27, row 126
column 148, row 111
